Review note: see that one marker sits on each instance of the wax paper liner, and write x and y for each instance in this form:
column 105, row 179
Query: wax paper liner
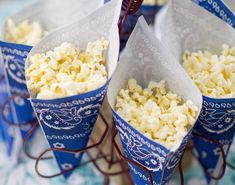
column 51, row 15
column 186, row 26
column 145, row 59
column 68, row 122
column 218, row 8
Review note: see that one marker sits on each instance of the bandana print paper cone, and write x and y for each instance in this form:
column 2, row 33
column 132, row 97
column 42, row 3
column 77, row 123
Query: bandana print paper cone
column 8, row 132
column 11, row 135
column 68, row 122
column 179, row 30
column 218, row 8
column 216, row 121
column 50, row 15
column 14, row 56
column 145, row 59
column 4, row 95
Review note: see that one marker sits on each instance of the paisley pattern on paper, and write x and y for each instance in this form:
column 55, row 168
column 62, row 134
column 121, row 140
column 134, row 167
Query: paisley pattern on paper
column 16, row 70
column 151, row 160
column 217, row 122
column 66, row 119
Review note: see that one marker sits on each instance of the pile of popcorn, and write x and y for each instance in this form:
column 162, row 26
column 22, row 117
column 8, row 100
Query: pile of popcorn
column 160, row 115
column 67, row 71
column 24, row 32
column 213, row 74
column 154, row 2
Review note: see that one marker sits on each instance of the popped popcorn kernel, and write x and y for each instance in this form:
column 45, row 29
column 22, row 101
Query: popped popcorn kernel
column 155, row 2
column 213, row 74
column 160, row 115
column 67, row 71
column 25, row 32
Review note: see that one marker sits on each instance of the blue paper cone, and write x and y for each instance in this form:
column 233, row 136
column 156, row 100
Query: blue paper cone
column 156, row 158
column 216, row 121
column 3, row 98
column 14, row 56
column 68, row 122
column 7, row 138
column 145, row 62
column 218, row 8
column 20, row 109
column 10, row 135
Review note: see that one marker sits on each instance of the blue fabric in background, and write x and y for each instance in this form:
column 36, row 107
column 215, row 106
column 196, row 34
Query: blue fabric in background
column 148, row 11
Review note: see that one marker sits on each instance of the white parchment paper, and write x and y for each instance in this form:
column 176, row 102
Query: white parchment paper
column 186, row 26
column 52, row 14
column 102, row 23
column 146, row 59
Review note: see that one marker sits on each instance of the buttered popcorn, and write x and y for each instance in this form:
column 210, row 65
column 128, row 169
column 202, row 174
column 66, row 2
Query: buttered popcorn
column 24, row 32
column 158, row 114
column 213, row 74
column 154, row 2
column 67, row 71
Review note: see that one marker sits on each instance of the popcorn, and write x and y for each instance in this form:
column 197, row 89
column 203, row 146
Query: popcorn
column 67, row 71
column 158, row 114
column 213, row 74
column 154, row 2
column 24, row 32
